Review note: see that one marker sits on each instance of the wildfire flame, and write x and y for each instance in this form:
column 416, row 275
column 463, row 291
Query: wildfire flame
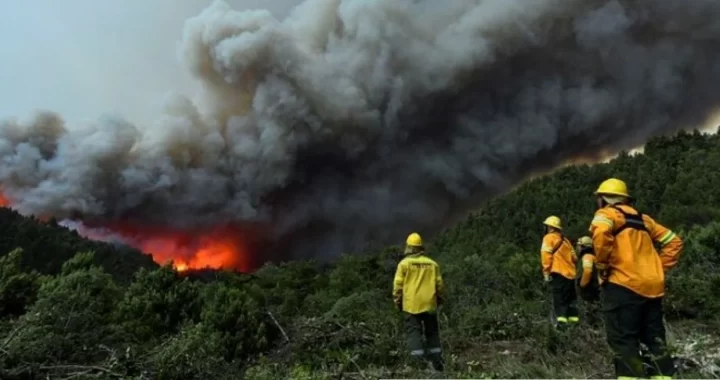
column 223, row 247
column 220, row 247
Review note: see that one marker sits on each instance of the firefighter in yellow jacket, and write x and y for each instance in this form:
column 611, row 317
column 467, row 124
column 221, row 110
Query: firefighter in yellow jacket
column 633, row 276
column 558, row 260
column 418, row 290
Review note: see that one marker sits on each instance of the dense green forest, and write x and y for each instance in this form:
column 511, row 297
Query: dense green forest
column 68, row 315
column 46, row 246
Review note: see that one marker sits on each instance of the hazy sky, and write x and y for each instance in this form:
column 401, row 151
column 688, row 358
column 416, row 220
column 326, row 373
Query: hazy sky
column 83, row 58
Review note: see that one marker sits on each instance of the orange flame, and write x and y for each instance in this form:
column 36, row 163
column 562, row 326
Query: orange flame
column 224, row 247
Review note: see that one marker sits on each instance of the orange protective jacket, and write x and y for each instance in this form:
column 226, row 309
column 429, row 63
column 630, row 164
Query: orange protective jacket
column 624, row 239
column 588, row 262
column 557, row 255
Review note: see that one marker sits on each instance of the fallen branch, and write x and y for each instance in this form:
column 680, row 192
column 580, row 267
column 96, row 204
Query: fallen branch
column 342, row 371
column 360, row 371
column 78, row 374
column 287, row 339
column 12, row 334
column 84, row 368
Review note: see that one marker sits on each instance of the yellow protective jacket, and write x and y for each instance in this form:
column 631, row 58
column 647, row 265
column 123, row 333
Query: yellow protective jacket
column 624, row 239
column 418, row 285
column 557, row 255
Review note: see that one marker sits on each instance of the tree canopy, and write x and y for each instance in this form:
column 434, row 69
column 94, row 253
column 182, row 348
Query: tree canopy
column 47, row 245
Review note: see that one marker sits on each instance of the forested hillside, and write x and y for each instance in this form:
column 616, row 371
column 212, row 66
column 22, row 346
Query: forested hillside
column 47, row 246
column 303, row 320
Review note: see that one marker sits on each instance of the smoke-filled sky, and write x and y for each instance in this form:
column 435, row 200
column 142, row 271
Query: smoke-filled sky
column 85, row 58
column 350, row 121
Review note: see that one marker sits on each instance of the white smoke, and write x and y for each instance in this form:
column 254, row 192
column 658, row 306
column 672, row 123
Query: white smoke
column 362, row 120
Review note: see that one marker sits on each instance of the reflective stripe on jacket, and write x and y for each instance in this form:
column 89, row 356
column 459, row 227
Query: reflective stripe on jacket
column 562, row 261
column 418, row 284
column 624, row 245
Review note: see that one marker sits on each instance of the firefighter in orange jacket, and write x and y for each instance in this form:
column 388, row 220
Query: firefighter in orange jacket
column 558, row 260
column 633, row 276
column 588, row 281
column 418, row 289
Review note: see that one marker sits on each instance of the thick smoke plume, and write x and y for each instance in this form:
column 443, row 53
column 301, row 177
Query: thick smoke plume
column 357, row 121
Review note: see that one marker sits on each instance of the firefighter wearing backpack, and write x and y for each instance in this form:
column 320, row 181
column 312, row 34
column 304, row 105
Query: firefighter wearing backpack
column 558, row 260
column 633, row 276
column 418, row 290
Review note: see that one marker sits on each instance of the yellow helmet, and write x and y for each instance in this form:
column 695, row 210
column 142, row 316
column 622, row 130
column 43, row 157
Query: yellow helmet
column 613, row 186
column 414, row 240
column 553, row 221
column 585, row 241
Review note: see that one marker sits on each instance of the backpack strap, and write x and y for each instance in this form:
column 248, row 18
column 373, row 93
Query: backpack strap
column 634, row 222
column 559, row 243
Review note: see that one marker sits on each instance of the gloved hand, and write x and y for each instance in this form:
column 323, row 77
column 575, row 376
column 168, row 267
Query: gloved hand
column 603, row 274
column 547, row 279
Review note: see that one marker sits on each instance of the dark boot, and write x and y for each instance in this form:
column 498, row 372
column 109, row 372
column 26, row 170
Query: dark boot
column 437, row 362
column 418, row 362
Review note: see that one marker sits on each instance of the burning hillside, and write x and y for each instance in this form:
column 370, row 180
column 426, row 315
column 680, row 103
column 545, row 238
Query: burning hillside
column 219, row 247
column 356, row 121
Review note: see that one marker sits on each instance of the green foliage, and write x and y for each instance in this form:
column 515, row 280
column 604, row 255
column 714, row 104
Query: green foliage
column 196, row 352
column 157, row 303
column 696, row 280
column 304, row 320
column 46, row 246
column 238, row 320
column 18, row 288
column 69, row 321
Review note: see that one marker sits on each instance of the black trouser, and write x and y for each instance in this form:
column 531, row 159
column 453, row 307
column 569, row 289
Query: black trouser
column 424, row 325
column 593, row 314
column 631, row 319
column 564, row 299
column 590, row 295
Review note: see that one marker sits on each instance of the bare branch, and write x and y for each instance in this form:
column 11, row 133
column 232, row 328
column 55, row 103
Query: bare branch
column 360, row 371
column 12, row 334
column 287, row 339
column 83, row 368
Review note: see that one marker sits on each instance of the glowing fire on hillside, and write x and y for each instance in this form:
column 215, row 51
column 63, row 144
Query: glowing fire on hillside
column 223, row 247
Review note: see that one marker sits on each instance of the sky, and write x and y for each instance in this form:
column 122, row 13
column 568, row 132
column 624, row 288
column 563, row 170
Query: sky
column 86, row 58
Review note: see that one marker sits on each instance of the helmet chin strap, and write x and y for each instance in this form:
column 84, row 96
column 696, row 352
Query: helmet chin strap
column 613, row 200
column 549, row 229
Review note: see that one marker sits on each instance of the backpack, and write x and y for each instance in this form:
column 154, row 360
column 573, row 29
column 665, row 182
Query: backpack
column 635, row 222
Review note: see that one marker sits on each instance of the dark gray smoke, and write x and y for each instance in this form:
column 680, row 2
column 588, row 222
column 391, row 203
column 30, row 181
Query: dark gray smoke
column 363, row 120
